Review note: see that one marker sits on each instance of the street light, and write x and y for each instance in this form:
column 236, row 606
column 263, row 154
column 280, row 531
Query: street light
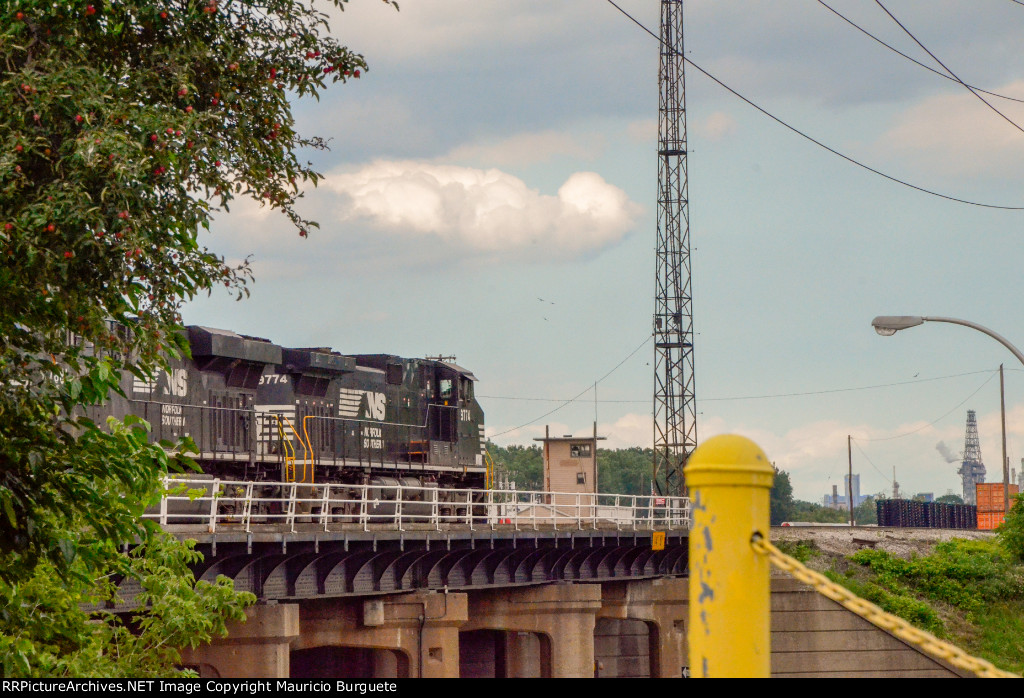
column 888, row 325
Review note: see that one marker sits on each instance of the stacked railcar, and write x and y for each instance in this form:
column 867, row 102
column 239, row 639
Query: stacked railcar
column 260, row 411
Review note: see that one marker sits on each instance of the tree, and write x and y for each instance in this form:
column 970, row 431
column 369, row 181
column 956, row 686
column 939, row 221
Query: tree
column 126, row 124
column 866, row 512
column 949, row 499
column 781, row 498
column 624, row 470
column 1011, row 532
column 522, row 465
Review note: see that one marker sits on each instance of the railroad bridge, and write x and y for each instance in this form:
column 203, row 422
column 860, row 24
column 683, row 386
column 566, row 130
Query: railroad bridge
column 543, row 586
column 368, row 583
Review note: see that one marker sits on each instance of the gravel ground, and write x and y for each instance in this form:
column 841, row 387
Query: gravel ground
column 904, row 542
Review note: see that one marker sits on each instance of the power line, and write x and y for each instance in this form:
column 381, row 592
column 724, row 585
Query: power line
column 947, row 69
column 939, row 419
column 840, row 390
column 884, row 476
column 754, row 397
column 910, row 58
column 571, row 400
column 815, row 141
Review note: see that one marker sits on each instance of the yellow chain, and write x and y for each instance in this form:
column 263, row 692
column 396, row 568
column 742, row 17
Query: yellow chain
column 927, row 642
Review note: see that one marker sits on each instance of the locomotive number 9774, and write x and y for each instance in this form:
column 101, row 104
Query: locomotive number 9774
column 259, row 411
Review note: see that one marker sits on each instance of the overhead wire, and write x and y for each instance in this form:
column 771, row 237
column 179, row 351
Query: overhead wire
column 884, row 476
column 939, row 419
column 577, row 397
column 806, row 136
column 755, row 397
column 947, row 69
column 911, row 58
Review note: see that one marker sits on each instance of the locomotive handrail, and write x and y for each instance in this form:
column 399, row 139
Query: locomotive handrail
column 289, row 451
column 305, row 432
column 301, row 443
column 216, row 504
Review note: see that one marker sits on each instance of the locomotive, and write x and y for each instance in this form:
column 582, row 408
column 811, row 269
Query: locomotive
column 258, row 411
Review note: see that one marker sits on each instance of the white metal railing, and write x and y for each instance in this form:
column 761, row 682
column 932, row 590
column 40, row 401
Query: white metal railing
column 223, row 504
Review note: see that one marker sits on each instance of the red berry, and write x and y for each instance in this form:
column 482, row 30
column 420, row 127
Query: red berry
column 188, row 109
column 215, row 101
column 8, row 226
column 79, row 118
column 182, row 92
column 153, row 137
column 356, row 73
column 19, row 16
column 18, row 148
column 163, row 15
column 217, row 163
column 50, row 228
column 69, row 255
column 122, row 214
column 90, row 10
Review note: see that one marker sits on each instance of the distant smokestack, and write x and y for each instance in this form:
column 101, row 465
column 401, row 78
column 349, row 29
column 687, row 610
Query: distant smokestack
column 950, row 457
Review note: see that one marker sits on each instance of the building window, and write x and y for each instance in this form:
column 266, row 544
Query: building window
column 579, row 450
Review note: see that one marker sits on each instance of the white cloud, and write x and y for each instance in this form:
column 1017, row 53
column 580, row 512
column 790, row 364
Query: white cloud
column 527, row 149
column 487, row 211
column 716, row 126
column 957, row 135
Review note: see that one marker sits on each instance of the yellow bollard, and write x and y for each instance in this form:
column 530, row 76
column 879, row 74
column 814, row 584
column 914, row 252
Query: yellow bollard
column 729, row 478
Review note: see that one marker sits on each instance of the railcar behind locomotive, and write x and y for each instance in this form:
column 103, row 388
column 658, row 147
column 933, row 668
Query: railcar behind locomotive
column 260, row 411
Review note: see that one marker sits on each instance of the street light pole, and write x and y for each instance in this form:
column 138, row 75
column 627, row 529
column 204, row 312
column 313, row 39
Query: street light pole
column 888, row 325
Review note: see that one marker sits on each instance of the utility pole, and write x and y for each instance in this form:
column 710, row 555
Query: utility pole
column 675, row 407
column 849, row 478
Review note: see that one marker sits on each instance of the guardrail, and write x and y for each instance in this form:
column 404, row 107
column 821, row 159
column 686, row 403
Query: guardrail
column 235, row 505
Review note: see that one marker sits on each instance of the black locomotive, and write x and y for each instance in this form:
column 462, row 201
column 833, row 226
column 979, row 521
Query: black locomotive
column 258, row 411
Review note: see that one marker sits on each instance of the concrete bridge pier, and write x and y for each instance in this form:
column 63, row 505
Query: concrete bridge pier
column 392, row 636
column 657, row 610
column 258, row 648
column 546, row 631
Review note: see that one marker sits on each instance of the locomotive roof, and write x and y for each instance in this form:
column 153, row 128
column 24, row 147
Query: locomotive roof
column 210, row 341
column 381, row 360
column 465, row 372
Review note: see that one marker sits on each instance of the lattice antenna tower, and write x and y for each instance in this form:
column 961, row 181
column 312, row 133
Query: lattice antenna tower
column 675, row 410
column 972, row 470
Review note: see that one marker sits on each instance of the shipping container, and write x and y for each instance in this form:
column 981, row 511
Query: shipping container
column 990, row 520
column 990, row 496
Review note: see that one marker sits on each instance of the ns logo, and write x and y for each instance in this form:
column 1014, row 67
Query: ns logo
column 375, row 405
column 351, row 402
column 177, row 382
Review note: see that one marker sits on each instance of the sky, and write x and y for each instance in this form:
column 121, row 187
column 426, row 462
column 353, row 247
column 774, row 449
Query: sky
column 490, row 194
